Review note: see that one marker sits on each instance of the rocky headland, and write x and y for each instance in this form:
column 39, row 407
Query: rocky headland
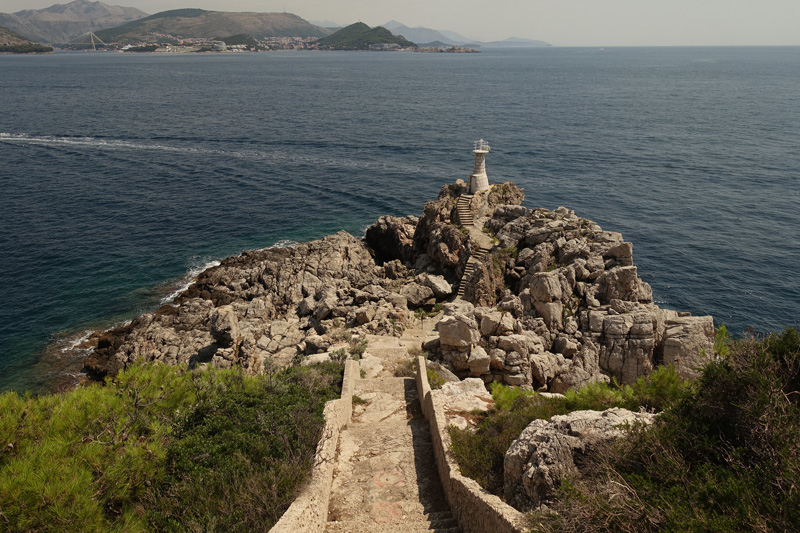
column 530, row 297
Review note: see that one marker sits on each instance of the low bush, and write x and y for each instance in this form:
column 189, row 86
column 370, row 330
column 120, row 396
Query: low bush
column 726, row 457
column 129, row 455
column 480, row 452
column 435, row 380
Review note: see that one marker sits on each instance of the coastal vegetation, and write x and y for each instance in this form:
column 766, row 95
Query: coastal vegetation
column 480, row 452
column 723, row 454
column 26, row 48
column 359, row 36
column 130, row 454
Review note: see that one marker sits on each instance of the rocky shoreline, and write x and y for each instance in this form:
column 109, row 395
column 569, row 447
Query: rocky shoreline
column 551, row 302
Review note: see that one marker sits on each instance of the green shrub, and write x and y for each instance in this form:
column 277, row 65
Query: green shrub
column 724, row 457
column 480, row 453
column 129, row 455
column 504, row 396
column 358, row 347
column 435, row 380
column 406, row 369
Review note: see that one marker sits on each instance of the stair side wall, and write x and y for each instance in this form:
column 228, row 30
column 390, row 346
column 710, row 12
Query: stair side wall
column 476, row 510
column 309, row 511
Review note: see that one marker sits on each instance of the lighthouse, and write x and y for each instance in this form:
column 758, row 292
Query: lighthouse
column 479, row 181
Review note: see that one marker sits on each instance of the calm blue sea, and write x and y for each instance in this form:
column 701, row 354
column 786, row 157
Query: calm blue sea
column 120, row 174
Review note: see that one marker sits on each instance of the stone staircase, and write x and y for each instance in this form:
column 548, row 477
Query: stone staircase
column 385, row 477
column 477, row 256
column 464, row 212
column 484, row 242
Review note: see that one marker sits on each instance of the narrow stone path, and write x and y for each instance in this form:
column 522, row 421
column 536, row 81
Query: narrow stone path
column 385, row 479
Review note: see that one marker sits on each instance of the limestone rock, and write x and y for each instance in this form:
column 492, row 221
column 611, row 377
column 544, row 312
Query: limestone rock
column 689, row 344
column 392, row 238
column 467, row 395
column 416, row 294
column 458, row 331
column 478, row 361
column 224, row 326
column 544, row 455
column 439, row 286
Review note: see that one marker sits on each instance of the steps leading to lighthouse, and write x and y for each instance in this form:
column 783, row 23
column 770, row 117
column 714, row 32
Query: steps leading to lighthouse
column 477, row 256
column 464, row 212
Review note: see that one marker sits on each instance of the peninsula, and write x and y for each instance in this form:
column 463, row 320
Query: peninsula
column 539, row 297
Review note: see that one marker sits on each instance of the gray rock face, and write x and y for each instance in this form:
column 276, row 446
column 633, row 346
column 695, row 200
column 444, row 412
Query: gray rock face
column 544, row 454
column 258, row 306
column 689, row 344
column 459, row 331
column 416, row 294
column 439, row 286
column 573, row 287
column 224, row 326
column 392, row 238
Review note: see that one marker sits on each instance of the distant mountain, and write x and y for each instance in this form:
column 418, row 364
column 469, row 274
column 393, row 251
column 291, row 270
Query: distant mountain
column 62, row 23
column 9, row 37
column 14, row 43
column 418, row 35
column 437, row 37
column 456, row 37
column 202, row 24
column 359, row 36
column 515, row 42
column 326, row 24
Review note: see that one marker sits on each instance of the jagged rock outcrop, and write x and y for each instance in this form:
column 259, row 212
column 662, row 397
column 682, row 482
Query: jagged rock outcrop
column 547, row 452
column 271, row 307
column 571, row 289
column 556, row 303
column 392, row 238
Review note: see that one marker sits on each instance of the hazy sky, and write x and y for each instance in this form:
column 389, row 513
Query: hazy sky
column 560, row 22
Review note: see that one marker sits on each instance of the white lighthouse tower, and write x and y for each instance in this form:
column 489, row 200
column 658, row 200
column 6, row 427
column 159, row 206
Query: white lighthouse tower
column 479, row 181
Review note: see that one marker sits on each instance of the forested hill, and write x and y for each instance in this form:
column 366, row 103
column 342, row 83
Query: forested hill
column 199, row 23
column 359, row 36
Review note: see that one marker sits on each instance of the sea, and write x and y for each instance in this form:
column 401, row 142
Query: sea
column 124, row 175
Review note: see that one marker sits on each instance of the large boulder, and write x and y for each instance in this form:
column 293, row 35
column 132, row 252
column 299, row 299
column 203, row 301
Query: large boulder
column 544, row 455
column 224, row 326
column 459, row 331
column 416, row 295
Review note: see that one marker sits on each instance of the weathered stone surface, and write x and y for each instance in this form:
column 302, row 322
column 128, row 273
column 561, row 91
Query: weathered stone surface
column 416, row 294
column 490, row 322
column 459, row 331
column 565, row 308
column 224, row 326
column 468, row 395
column 392, row 238
column 439, row 286
column 546, row 287
column 689, row 344
column 478, row 361
column 543, row 456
